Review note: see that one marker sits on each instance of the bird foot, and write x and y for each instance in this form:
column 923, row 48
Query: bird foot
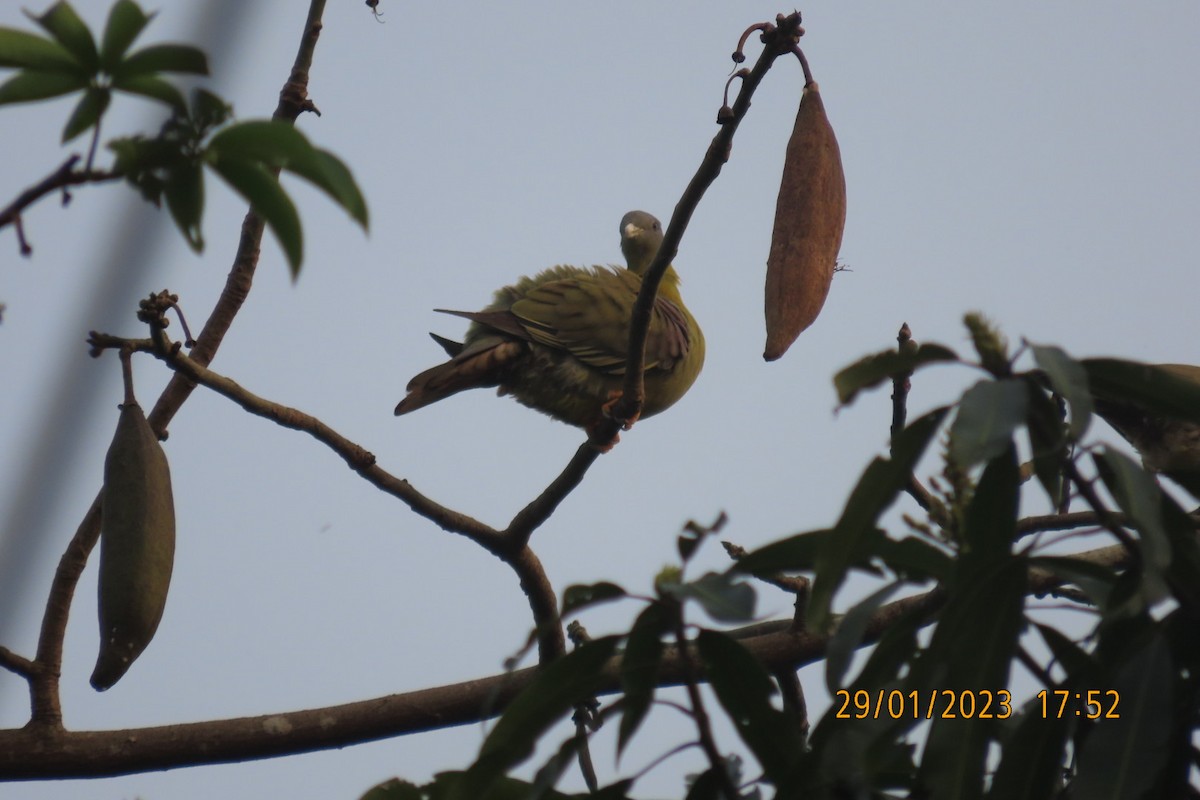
column 613, row 397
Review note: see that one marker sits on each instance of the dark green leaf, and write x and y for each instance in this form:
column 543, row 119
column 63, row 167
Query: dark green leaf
column 787, row 555
column 1145, row 385
column 184, row 191
column 639, row 668
column 975, row 641
column 913, row 558
column 87, row 112
column 447, row 785
column 988, row 414
column 549, row 696
column 1033, row 759
column 1139, row 497
column 25, row 50
column 1122, row 758
column 29, row 85
column 687, row 542
column 972, row 649
column 744, row 689
column 280, row 145
column 209, row 110
column 706, row 786
column 333, row 176
column 1047, row 442
column 990, row 524
column 272, row 142
column 723, row 595
column 845, row 641
column 125, row 23
column 582, row 595
column 1069, row 379
column 154, row 88
column 875, row 492
column 163, row 58
column 262, row 190
column 1074, row 660
column 895, row 649
column 870, row 371
column 61, row 22
column 395, row 789
column 550, row 773
column 614, row 791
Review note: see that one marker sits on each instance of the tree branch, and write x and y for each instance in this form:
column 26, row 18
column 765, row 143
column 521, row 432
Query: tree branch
column 542, row 599
column 777, row 41
column 46, row 709
column 31, row 753
column 66, row 175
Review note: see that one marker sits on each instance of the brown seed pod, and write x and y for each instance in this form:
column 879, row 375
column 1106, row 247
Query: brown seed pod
column 810, row 215
column 137, row 545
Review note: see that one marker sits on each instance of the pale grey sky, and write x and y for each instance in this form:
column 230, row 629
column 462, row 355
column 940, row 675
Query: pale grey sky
column 1034, row 161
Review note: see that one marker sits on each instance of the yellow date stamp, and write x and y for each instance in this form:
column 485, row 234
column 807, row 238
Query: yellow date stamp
column 916, row 704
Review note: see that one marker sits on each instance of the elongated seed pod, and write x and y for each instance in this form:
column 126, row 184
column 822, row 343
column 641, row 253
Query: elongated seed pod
column 810, row 215
column 137, row 545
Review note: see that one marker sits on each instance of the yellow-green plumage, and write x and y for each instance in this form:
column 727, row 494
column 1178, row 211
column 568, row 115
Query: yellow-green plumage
column 1165, row 444
column 558, row 341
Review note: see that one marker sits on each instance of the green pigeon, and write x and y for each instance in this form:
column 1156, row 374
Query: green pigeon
column 558, row 342
column 1165, row 444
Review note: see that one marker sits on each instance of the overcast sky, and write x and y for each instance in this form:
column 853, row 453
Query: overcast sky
column 1035, row 161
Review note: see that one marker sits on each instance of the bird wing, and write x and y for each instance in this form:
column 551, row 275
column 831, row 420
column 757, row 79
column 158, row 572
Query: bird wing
column 588, row 317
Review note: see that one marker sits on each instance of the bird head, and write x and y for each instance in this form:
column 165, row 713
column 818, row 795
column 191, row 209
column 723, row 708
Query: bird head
column 641, row 235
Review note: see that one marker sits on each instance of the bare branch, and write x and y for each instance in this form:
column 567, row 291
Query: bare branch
column 529, row 518
column 66, row 175
column 16, row 663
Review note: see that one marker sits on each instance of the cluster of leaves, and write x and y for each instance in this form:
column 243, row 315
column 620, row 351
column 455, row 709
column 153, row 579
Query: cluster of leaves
column 1141, row 655
column 247, row 155
column 70, row 61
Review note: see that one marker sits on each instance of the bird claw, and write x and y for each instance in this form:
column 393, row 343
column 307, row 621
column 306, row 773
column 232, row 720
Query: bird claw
column 613, row 397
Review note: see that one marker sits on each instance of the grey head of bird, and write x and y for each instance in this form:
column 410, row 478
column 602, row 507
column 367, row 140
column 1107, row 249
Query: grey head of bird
column 641, row 236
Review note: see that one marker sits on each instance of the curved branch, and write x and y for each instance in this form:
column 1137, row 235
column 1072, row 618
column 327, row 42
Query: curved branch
column 533, row 515
column 30, row 753
column 66, row 175
column 542, row 600
column 355, row 455
column 777, row 41
column 46, row 708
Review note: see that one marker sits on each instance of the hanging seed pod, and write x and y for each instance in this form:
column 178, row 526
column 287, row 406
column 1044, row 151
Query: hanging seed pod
column 810, row 215
column 137, row 545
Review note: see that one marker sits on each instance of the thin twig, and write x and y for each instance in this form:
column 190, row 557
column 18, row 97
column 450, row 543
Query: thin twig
column 17, row 664
column 66, row 175
column 793, row 700
column 1107, row 518
column 529, row 518
column 691, row 682
column 356, row 457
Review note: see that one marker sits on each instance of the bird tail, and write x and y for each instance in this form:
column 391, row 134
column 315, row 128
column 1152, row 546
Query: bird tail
column 483, row 364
